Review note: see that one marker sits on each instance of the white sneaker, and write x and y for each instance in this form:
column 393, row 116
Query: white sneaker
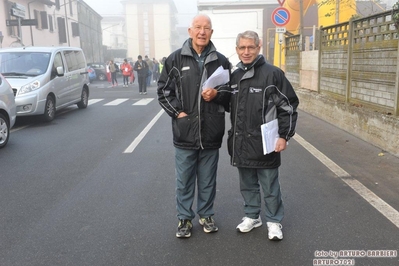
column 248, row 224
column 275, row 232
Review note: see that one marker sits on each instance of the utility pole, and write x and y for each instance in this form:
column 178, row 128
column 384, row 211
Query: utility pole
column 336, row 11
column 300, row 25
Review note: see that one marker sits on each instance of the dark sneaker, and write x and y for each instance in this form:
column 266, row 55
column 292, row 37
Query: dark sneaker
column 184, row 228
column 208, row 225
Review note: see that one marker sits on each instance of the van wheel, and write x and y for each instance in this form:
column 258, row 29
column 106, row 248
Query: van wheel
column 84, row 99
column 49, row 109
column 4, row 131
column 102, row 77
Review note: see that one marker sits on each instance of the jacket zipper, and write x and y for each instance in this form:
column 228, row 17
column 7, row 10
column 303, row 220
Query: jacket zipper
column 235, row 123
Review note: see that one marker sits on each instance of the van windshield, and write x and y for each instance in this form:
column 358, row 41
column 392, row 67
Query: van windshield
column 24, row 63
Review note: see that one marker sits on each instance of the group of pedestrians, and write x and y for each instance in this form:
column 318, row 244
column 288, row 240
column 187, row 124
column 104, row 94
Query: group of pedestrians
column 257, row 93
column 126, row 69
column 147, row 70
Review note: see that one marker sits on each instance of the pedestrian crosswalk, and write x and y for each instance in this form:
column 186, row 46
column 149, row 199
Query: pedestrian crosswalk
column 115, row 102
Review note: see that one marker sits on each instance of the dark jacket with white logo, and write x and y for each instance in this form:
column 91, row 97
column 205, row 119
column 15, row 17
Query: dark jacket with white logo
column 261, row 93
column 179, row 90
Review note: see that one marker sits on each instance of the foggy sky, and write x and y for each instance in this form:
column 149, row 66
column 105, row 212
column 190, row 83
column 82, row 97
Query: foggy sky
column 186, row 9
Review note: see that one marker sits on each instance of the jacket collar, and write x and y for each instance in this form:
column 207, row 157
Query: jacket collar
column 187, row 48
column 259, row 60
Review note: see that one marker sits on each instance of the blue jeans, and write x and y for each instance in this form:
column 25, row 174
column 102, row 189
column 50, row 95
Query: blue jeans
column 250, row 181
column 148, row 79
column 195, row 167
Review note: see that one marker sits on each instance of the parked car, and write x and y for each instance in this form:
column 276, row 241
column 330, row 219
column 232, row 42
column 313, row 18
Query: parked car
column 46, row 79
column 92, row 74
column 7, row 111
column 100, row 69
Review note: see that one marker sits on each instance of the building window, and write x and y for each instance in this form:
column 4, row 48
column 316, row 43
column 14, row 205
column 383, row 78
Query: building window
column 50, row 22
column 61, row 30
column 36, row 15
column 70, row 8
column 57, row 4
column 12, row 31
column 43, row 19
column 75, row 29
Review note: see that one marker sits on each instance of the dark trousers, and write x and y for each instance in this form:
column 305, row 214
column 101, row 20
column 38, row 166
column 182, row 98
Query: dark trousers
column 126, row 80
column 195, row 168
column 113, row 78
column 142, row 84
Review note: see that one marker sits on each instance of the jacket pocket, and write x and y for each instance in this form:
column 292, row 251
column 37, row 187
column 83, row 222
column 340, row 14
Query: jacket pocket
column 213, row 129
column 254, row 148
column 183, row 130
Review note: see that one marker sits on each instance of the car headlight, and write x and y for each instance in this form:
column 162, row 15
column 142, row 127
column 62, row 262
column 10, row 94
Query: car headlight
column 29, row 87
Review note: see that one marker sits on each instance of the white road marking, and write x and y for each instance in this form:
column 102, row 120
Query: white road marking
column 93, row 101
column 384, row 208
column 116, row 102
column 19, row 128
column 144, row 101
column 140, row 137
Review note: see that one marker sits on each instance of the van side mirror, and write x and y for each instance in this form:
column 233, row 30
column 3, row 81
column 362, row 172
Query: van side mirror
column 60, row 71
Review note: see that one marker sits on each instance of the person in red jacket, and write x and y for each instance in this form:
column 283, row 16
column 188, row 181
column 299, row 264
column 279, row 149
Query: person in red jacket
column 126, row 72
column 132, row 77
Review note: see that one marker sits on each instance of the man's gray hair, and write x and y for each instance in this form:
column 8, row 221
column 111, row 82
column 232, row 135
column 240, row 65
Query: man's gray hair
column 249, row 34
column 201, row 15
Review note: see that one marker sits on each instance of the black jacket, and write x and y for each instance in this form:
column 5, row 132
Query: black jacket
column 141, row 68
column 179, row 89
column 261, row 93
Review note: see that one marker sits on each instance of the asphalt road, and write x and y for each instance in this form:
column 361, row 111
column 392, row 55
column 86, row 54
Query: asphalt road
column 97, row 187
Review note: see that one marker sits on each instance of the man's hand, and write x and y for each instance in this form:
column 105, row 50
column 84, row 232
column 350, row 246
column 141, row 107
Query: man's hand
column 209, row 94
column 182, row 114
column 280, row 145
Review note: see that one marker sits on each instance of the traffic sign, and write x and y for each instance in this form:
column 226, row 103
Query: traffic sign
column 24, row 22
column 281, row 30
column 19, row 7
column 17, row 13
column 280, row 17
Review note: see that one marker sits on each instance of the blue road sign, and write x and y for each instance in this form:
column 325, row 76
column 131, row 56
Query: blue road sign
column 280, row 16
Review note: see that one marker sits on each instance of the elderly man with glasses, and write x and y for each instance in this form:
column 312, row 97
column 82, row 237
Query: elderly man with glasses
column 198, row 122
column 261, row 95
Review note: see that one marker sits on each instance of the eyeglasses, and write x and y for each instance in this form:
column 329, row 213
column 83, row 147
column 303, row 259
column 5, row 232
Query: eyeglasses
column 199, row 28
column 250, row 48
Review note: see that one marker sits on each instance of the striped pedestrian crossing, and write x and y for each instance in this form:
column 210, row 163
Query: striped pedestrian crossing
column 119, row 101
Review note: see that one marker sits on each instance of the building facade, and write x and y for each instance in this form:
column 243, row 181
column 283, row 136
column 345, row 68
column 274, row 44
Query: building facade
column 51, row 23
column 230, row 18
column 150, row 28
column 114, row 37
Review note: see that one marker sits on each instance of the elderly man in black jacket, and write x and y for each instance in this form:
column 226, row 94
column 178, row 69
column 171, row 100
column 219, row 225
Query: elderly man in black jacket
column 261, row 94
column 198, row 122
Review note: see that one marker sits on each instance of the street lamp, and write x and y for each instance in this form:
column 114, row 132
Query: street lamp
column 46, row 2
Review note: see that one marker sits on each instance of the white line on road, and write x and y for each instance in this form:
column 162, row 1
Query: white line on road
column 18, row 128
column 93, row 101
column 140, row 137
column 116, row 102
column 144, row 101
column 384, row 208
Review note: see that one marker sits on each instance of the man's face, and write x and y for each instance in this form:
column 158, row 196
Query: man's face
column 247, row 50
column 201, row 32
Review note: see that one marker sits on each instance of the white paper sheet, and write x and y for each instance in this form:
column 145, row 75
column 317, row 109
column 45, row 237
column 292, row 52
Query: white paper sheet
column 219, row 77
column 269, row 136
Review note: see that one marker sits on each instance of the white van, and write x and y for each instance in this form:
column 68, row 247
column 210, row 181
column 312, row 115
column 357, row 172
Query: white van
column 7, row 111
column 45, row 79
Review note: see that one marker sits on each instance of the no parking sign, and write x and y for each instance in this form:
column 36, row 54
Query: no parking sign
column 280, row 16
